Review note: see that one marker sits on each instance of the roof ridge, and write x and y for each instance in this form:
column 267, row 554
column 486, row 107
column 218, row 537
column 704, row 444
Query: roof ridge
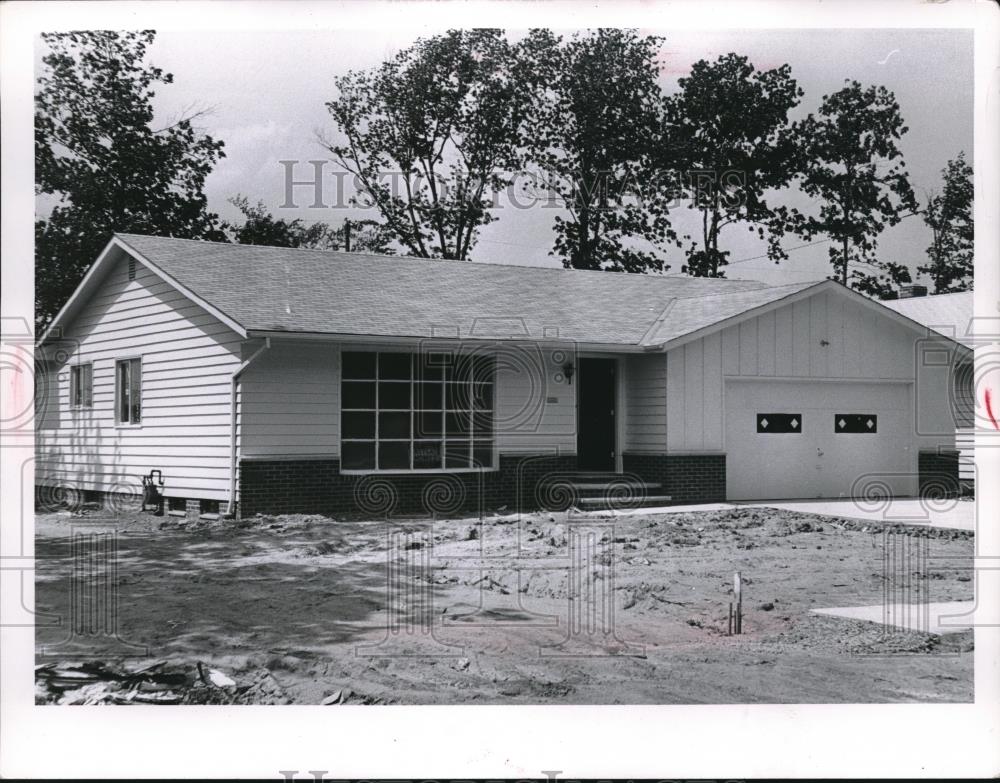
column 408, row 257
column 748, row 290
column 265, row 247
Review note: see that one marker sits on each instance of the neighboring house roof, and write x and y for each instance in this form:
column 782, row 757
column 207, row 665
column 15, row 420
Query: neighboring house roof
column 259, row 290
column 947, row 314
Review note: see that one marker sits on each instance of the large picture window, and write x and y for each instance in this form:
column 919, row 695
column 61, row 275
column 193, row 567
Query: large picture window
column 128, row 391
column 403, row 411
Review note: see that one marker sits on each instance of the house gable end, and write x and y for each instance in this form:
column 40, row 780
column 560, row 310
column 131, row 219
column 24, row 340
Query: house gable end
column 114, row 253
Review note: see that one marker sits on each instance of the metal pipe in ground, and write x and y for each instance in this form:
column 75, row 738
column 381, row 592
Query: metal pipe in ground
column 738, row 595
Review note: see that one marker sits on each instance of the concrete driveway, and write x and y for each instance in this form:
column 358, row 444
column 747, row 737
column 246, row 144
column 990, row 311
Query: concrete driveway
column 952, row 514
column 936, row 618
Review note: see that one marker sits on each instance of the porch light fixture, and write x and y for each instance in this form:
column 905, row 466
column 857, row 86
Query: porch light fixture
column 568, row 370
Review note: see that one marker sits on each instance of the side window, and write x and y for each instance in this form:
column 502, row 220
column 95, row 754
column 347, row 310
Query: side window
column 128, row 391
column 81, row 385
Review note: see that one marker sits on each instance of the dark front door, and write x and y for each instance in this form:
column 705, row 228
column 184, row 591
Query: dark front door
column 595, row 439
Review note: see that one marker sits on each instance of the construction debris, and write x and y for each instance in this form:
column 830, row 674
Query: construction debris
column 155, row 682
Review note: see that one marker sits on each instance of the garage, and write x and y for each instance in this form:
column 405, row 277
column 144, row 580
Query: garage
column 818, row 439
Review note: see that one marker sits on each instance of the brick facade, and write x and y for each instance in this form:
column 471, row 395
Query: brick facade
column 314, row 486
column 938, row 471
column 687, row 478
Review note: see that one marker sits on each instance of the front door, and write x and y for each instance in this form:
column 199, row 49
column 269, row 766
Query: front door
column 595, row 439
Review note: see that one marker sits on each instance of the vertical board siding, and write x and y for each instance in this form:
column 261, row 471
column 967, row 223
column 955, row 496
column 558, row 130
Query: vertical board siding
column 645, row 404
column 694, row 396
column 188, row 357
column 819, row 361
column 748, row 347
column 712, row 425
column 801, row 338
column 786, row 343
column 835, row 319
column 767, row 346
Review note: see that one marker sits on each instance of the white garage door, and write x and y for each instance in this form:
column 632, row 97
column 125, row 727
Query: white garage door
column 817, row 439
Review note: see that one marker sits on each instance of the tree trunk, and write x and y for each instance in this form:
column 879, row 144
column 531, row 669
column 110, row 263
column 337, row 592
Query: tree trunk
column 843, row 272
column 583, row 249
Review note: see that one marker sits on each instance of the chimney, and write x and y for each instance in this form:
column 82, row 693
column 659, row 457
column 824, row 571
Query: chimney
column 910, row 291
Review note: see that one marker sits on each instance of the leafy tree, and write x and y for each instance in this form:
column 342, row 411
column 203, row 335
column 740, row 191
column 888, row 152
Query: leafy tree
column 880, row 279
column 261, row 228
column 592, row 137
column 852, row 164
column 363, row 236
column 432, row 136
column 103, row 164
column 729, row 125
column 949, row 216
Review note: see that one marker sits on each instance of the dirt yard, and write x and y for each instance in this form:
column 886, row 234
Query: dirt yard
column 297, row 609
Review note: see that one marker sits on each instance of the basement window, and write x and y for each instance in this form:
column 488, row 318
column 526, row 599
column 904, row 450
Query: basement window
column 81, row 385
column 128, row 391
column 416, row 412
column 855, row 423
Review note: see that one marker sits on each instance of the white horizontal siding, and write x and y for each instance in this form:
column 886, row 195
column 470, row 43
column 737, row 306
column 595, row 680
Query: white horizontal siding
column 645, row 403
column 535, row 405
column 965, row 443
column 290, row 399
column 188, row 358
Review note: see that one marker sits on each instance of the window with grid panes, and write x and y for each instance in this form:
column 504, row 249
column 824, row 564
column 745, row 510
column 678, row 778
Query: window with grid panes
column 422, row 411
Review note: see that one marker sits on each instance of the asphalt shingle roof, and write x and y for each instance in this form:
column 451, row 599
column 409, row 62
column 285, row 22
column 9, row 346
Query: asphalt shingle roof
column 283, row 289
column 694, row 313
column 947, row 314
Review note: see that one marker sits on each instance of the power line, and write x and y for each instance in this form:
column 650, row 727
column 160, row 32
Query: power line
column 807, row 244
column 791, row 249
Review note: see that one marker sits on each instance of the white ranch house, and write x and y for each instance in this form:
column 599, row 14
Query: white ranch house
column 271, row 379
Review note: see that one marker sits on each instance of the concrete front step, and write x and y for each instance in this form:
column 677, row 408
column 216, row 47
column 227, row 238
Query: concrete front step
column 598, row 491
column 639, row 501
column 601, row 486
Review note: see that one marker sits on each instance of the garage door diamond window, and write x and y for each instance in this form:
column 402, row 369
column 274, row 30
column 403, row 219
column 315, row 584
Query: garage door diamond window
column 771, row 423
column 855, row 423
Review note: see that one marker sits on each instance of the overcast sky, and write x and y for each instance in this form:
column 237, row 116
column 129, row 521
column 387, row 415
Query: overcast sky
column 267, row 95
